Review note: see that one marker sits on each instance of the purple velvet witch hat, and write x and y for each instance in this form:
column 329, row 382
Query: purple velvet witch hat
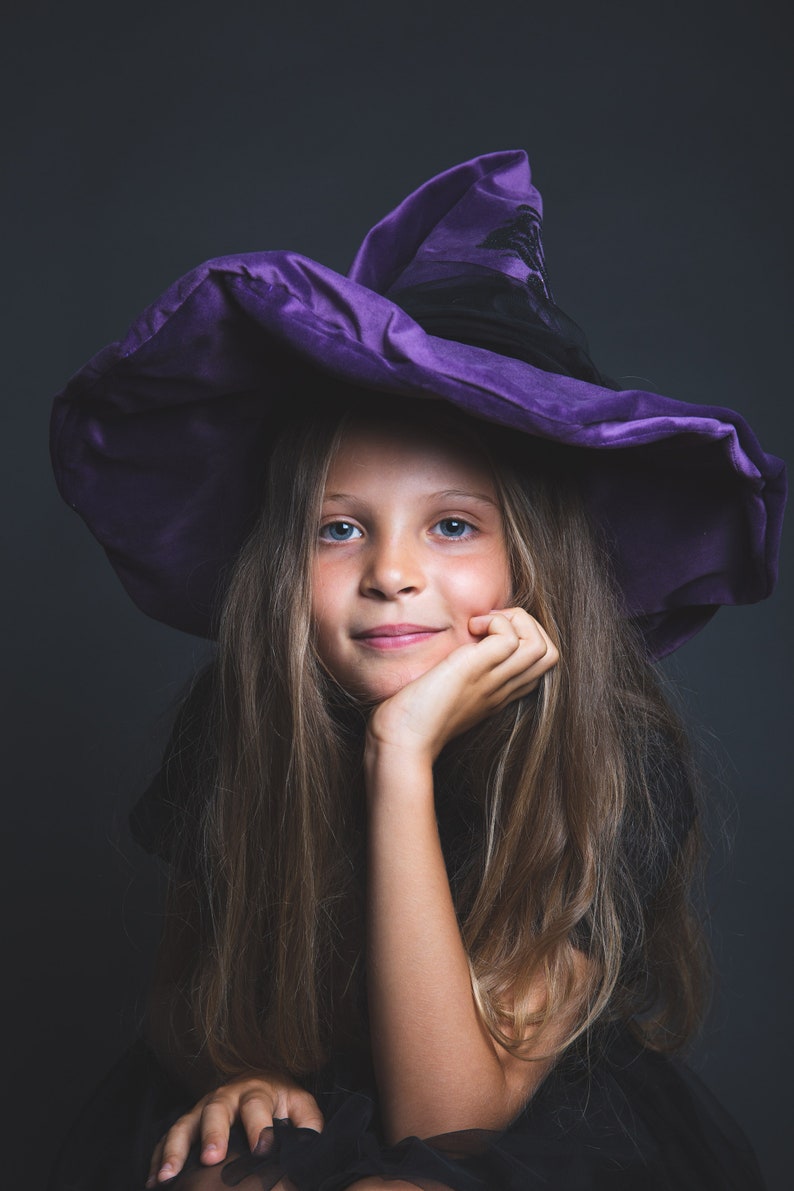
column 159, row 441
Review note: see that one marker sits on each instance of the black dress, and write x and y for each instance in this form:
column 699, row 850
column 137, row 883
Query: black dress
column 611, row 1116
column 631, row 1119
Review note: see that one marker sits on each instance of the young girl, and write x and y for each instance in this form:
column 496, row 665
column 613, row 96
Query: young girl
column 428, row 814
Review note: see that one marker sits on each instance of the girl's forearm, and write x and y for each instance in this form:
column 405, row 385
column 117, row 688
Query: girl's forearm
column 438, row 1069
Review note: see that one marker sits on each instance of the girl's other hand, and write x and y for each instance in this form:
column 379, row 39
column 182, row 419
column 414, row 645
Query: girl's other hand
column 255, row 1100
column 474, row 681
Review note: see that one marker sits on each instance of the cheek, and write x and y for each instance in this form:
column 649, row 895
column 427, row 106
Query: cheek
column 501, row 579
column 328, row 649
column 485, row 587
column 501, row 585
column 324, row 614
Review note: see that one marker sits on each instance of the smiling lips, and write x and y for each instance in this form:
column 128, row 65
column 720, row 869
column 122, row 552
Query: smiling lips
column 396, row 636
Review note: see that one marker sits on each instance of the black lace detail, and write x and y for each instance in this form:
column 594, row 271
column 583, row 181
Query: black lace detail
column 521, row 238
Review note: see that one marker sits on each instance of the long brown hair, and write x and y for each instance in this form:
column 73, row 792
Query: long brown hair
column 578, row 837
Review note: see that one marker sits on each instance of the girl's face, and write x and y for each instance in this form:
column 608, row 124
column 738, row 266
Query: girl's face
column 410, row 546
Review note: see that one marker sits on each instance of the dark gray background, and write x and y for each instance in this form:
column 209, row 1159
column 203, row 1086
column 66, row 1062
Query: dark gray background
column 142, row 140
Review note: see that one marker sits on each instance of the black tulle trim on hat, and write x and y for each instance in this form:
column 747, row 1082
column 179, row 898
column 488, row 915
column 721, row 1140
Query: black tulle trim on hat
column 491, row 311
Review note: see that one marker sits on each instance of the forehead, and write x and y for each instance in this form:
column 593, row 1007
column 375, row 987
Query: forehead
column 381, row 452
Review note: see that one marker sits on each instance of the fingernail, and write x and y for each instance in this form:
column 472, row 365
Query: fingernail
column 151, row 1181
column 166, row 1170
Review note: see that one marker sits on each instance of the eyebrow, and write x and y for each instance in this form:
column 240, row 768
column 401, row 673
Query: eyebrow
column 444, row 494
column 465, row 494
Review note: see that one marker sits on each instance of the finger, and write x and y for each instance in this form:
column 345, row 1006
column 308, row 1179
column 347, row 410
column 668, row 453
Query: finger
column 532, row 631
column 509, row 652
column 305, row 1113
column 548, row 657
column 155, row 1164
column 216, row 1122
column 522, row 673
column 523, row 622
column 494, row 621
column 258, row 1114
column 515, row 688
column 298, row 1106
column 172, row 1150
column 539, row 650
column 481, row 660
column 498, row 636
column 515, row 628
column 256, row 1117
column 526, row 625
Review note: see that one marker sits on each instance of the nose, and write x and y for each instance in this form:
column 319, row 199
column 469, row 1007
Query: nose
column 393, row 569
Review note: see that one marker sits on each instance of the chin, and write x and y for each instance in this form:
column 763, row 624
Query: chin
column 378, row 691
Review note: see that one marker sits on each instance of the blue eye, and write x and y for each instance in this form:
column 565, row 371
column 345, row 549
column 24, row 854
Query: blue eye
column 339, row 531
column 454, row 527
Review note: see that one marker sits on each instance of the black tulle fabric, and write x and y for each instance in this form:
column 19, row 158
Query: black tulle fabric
column 626, row 1119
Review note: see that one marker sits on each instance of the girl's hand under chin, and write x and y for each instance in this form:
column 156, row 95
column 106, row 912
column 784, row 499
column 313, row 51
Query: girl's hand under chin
column 474, row 681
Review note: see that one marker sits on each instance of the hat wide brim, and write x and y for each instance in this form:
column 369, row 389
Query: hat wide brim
column 160, row 442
